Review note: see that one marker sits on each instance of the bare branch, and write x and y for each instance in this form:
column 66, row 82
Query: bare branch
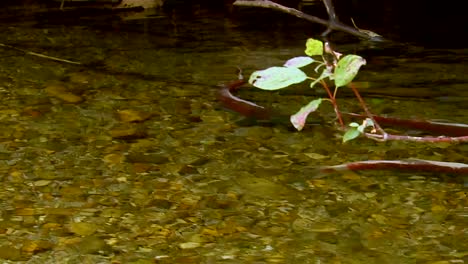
column 332, row 24
column 330, row 10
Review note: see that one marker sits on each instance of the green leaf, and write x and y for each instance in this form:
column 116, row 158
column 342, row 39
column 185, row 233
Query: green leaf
column 314, row 47
column 351, row 134
column 276, row 78
column 347, row 69
column 298, row 119
column 299, row 62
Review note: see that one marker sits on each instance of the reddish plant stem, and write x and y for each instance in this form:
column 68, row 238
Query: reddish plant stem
column 333, row 101
column 368, row 113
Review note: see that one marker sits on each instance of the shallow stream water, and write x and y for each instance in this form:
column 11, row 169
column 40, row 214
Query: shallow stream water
column 129, row 158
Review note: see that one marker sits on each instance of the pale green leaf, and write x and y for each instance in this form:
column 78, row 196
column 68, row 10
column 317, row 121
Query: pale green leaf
column 347, row 69
column 351, row 134
column 314, row 47
column 298, row 119
column 299, row 62
column 276, row 78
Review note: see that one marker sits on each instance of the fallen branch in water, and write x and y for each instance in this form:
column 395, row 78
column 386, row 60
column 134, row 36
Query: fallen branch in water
column 387, row 137
column 380, row 134
column 456, row 132
column 407, row 165
column 241, row 106
column 250, row 109
column 448, row 129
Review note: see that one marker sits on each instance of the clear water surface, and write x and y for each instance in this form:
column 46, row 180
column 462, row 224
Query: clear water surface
column 129, row 158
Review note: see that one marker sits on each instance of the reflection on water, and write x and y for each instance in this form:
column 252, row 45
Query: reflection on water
column 130, row 159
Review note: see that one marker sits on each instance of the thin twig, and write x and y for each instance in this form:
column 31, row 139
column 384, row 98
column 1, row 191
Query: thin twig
column 38, row 54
